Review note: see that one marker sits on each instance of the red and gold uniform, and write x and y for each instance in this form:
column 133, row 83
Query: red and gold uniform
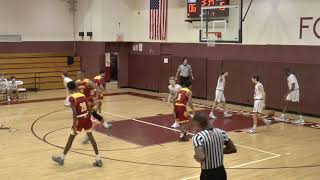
column 79, row 101
column 180, row 106
column 98, row 80
column 83, row 86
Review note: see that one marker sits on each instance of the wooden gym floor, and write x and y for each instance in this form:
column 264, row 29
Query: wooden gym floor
column 142, row 146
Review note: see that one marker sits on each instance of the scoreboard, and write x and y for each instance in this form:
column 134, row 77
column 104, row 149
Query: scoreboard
column 194, row 8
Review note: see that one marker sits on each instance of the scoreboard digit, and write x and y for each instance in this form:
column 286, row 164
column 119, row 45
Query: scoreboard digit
column 194, row 8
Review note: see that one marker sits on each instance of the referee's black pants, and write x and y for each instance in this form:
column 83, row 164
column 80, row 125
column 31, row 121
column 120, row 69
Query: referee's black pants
column 183, row 80
column 214, row 174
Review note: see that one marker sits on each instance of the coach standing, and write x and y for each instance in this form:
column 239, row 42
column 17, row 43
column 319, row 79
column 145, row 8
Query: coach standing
column 210, row 146
column 185, row 72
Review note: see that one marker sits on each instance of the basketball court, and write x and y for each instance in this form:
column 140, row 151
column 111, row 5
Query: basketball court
column 139, row 46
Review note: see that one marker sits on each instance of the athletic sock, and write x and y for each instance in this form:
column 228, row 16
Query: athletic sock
column 62, row 156
column 254, row 127
column 301, row 117
column 98, row 157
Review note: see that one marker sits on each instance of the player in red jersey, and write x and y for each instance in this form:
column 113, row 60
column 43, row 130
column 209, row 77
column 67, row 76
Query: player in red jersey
column 99, row 81
column 87, row 87
column 182, row 99
column 81, row 120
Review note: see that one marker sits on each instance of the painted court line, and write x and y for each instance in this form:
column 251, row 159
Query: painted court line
column 152, row 124
column 240, row 165
column 274, row 155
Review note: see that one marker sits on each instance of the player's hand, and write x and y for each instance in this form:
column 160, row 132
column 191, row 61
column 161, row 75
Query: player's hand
column 176, row 79
column 192, row 78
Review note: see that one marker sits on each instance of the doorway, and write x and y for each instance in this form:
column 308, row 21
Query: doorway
column 114, row 67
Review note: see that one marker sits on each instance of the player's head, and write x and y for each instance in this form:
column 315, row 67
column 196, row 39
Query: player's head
column 172, row 81
column 225, row 74
column 187, row 84
column 200, row 120
column 72, row 86
column 13, row 78
column 64, row 74
column 255, row 79
column 287, row 71
column 80, row 75
column 101, row 73
column 185, row 61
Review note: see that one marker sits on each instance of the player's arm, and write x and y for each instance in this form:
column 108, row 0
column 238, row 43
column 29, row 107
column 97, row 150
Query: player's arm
column 191, row 74
column 229, row 148
column 261, row 89
column 190, row 102
column 199, row 154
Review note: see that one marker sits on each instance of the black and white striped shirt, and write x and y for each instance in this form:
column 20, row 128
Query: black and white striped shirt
column 212, row 140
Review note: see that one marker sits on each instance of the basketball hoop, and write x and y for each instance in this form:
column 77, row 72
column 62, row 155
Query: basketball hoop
column 212, row 37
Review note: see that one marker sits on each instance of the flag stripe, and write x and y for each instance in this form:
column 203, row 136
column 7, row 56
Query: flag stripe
column 158, row 19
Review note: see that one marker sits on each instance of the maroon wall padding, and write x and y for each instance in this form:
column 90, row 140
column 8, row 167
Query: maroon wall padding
column 308, row 78
column 37, row 47
column 144, row 72
column 165, row 73
column 214, row 70
column 272, row 78
column 240, row 87
column 92, row 56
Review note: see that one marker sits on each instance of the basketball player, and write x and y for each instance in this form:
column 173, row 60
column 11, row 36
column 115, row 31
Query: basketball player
column 173, row 90
column 85, row 87
column 292, row 96
column 66, row 80
column 81, row 120
column 181, row 100
column 99, row 81
column 220, row 96
column 259, row 103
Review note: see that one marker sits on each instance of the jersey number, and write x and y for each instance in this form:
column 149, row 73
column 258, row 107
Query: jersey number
column 83, row 107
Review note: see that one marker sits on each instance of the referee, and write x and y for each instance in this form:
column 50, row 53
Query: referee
column 210, row 146
column 185, row 71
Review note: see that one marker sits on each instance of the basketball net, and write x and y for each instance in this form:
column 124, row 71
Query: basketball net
column 212, row 37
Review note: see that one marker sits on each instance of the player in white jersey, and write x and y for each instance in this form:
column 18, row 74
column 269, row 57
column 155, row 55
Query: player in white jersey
column 259, row 103
column 66, row 80
column 220, row 96
column 173, row 90
column 292, row 96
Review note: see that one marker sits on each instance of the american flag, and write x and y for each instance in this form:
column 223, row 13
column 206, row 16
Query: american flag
column 158, row 19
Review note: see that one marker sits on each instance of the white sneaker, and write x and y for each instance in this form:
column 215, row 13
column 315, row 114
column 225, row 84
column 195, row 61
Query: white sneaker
column 252, row 131
column 298, row 122
column 227, row 115
column 212, row 116
column 9, row 99
column 175, row 125
column 107, row 125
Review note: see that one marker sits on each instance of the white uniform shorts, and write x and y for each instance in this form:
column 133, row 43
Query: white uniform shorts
column 220, row 96
column 293, row 96
column 258, row 106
